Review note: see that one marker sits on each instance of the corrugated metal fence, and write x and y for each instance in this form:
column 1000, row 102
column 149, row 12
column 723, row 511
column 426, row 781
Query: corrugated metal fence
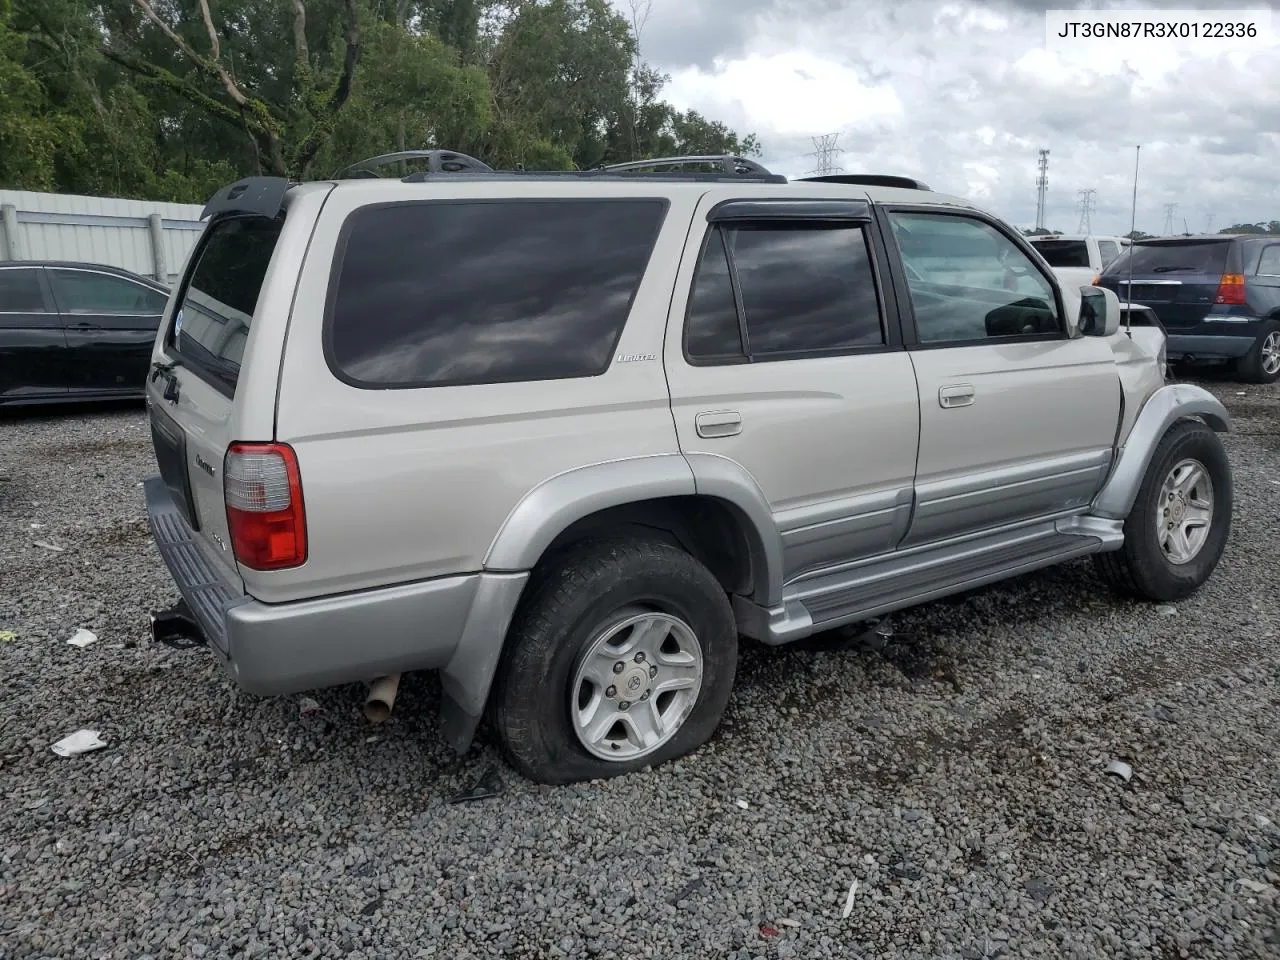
column 152, row 239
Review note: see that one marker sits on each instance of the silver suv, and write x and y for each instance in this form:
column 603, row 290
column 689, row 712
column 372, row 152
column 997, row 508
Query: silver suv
column 564, row 437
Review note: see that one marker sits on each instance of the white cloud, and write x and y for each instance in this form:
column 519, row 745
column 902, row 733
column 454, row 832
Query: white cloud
column 962, row 94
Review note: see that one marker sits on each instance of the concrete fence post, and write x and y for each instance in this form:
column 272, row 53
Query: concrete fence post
column 9, row 216
column 157, row 247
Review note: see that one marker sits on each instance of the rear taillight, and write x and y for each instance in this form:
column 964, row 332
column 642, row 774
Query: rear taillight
column 1231, row 289
column 1094, row 282
column 265, row 516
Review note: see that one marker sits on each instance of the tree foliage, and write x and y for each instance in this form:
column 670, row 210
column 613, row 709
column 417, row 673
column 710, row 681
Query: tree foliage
column 169, row 99
column 1270, row 227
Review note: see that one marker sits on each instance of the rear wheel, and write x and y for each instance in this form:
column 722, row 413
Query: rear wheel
column 623, row 655
column 1262, row 363
column 1175, row 534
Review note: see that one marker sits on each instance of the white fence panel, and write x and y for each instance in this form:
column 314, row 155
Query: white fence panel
column 150, row 238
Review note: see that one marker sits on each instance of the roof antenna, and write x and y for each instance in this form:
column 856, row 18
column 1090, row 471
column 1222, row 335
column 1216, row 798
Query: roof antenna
column 1133, row 229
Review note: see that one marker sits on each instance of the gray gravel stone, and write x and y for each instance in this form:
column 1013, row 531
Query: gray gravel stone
column 953, row 767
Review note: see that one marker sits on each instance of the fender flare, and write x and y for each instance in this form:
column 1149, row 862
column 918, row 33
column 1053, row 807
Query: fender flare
column 1166, row 406
column 549, row 509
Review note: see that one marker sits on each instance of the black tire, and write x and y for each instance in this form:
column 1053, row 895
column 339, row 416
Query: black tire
column 569, row 600
column 1250, row 368
column 1140, row 568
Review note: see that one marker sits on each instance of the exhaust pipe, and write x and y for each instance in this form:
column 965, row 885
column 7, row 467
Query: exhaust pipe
column 381, row 698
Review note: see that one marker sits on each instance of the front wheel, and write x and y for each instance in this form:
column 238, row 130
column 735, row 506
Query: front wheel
column 1262, row 363
column 622, row 655
column 1175, row 534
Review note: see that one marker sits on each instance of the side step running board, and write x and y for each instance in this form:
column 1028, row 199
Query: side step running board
column 894, row 582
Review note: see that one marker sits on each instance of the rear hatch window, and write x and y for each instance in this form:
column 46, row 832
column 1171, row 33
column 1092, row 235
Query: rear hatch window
column 1177, row 278
column 1064, row 253
column 211, row 323
column 1173, row 258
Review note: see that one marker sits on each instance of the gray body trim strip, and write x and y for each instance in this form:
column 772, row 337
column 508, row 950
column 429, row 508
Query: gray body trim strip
column 842, row 530
column 1008, row 494
column 1163, row 408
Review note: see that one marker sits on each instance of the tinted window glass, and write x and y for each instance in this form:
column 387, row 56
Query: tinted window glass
column 81, row 291
column 1108, row 251
column 1064, row 253
column 712, row 328
column 1269, row 261
column 20, row 292
column 1179, row 256
column 805, row 288
column 451, row 293
column 212, row 321
column 969, row 281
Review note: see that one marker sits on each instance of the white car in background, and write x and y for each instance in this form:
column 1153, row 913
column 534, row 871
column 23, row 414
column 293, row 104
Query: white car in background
column 1078, row 258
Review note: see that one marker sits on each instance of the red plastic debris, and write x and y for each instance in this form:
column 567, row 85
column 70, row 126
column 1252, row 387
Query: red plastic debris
column 768, row 931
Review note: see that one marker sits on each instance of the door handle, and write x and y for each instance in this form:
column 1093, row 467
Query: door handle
column 955, row 395
column 85, row 326
column 721, row 423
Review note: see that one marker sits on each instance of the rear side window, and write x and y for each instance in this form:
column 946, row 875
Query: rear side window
column 446, row 293
column 802, row 289
column 1176, row 257
column 1064, row 253
column 212, row 321
column 1269, row 261
column 20, row 292
column 1108, row 250
column 84, row 291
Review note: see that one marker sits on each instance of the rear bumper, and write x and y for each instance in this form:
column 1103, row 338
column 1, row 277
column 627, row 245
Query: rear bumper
column 281, row 648
column 1233, row 338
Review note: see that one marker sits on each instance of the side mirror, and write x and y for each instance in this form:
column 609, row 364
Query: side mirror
column 1099, row 312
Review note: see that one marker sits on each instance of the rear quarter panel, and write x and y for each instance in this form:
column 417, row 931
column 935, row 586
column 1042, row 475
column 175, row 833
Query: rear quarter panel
column 408, row 484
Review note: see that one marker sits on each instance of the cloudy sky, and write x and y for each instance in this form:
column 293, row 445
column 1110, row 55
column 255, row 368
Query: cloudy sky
column 962, row 94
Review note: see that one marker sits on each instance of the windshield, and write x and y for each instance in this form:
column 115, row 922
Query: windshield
column 1063, row 253
column 1189, row 256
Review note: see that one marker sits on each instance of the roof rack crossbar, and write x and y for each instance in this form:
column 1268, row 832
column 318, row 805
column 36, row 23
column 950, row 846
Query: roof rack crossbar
column 438, row 161
column 871, row 180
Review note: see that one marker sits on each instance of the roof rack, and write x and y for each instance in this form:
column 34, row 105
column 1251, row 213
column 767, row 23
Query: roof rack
column 729, row 165
column 871, row 180
column 438, row 161
column 726, row 167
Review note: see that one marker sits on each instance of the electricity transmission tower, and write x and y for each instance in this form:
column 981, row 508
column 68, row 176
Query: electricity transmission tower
column 1042, row 187
column 1088, row 204
column 825, row 154
column 1169, row 210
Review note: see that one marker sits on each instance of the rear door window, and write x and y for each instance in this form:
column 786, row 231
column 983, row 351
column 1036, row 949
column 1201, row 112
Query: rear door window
column 1108, row 250
column 20, row 291
column 86, row 291
column 804, row 290
column 211, row 323
column 446, row 293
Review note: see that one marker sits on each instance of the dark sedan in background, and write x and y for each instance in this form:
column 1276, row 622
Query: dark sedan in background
column 75, row 331
column 1217, row 296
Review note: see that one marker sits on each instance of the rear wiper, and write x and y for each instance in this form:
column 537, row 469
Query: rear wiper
column 159, row 369
column 1170, row 269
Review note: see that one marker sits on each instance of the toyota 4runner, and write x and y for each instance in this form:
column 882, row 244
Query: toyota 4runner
column 564, row 437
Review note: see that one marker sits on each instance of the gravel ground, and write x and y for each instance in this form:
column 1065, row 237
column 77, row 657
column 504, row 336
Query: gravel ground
column 955, row 773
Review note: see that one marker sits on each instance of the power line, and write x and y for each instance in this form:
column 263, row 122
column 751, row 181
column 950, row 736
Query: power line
column 1088, row 204
column 1169, row 210
column 825, row 152
column 1042, row 187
